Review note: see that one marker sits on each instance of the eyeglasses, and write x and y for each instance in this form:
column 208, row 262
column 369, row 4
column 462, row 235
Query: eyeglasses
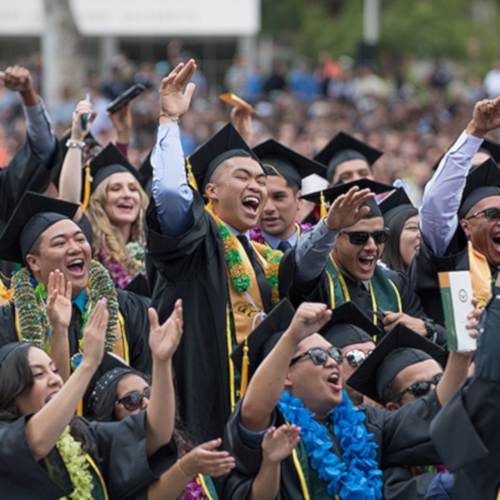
column 320, row 356
column 419, row 389
column 361, row 237
column 489, row 213
column 356, row 356
column 133, row 400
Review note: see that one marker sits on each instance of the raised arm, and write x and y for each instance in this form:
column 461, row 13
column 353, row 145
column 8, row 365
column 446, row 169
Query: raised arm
column 70, row 181
column 441, row 201
column 38, row 125
column 314, row 247
column 171, row 193
column 267, row 384
column 160, row 413
column 46, row 426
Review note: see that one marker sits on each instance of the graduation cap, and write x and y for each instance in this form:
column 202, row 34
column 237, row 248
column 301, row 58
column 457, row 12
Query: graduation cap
column 331, row 194
column 107, row 162
column 349, row 325
column 284, row 162
column 33, row 215
column 225, row 144
column 261, row 341
column 399, row 349
column 344, row 147
column 395, row 203
column 483, row 181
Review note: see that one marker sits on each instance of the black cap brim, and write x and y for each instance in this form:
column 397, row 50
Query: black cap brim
column 394, row 203
column 367, row 380
column 31, row 205
column 262, row 340
column 284, row 162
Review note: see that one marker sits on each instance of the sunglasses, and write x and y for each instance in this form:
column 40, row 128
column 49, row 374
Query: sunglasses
column 133, row 400
column 361, row 237
column 320, row 356
column 489, row 213
column 355, row 357
column 419, row 389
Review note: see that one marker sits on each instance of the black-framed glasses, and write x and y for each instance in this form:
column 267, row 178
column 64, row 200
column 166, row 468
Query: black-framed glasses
column 133, row 400
column 361, row 237
column 490, row 214
column 320, row 356
column 355, row 357
column 419, row 389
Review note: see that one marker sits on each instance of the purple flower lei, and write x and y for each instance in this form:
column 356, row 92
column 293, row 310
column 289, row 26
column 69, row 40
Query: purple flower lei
column 194, row 490
column 355, row 476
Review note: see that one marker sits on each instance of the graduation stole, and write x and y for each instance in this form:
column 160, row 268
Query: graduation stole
column 244, row 294
column 480, row 274
column 383, row 292
column 32, row 322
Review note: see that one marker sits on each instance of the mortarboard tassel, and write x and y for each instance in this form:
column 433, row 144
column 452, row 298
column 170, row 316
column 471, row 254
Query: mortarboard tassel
column 6, row 294
column 244, row 369
column 322, row 211
column 190, row 176
column 79, row 409
column 86, row 188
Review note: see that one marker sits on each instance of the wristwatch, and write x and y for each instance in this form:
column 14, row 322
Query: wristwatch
column 430, row 326
column 70, row 143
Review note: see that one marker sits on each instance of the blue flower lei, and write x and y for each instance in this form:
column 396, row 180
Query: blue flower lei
column 356, row 476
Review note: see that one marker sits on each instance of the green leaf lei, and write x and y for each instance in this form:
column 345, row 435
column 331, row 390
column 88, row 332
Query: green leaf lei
column 76, row 465
column 31, row 307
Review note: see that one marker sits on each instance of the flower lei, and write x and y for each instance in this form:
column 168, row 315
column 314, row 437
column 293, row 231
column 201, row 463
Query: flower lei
column 355, row 476
column 76, row 465
column 236, row 268
column 256, row 235
column 194, row 490
column 32, row 311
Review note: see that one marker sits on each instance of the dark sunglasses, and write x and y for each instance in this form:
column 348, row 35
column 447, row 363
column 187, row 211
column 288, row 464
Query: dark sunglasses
column 361, row 237
column 133, row 400
column 320, row 356
column 419, row 389
column 356, row 356
column 489, row 213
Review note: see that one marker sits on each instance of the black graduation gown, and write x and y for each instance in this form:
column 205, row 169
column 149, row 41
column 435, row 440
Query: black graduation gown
column 25, row 172
column 470, row 446
column 318, row 290
column 425, row 267
column 192, row 267
column 403, row 437
column 401, row 484
column 135, row 314
column 122, row 462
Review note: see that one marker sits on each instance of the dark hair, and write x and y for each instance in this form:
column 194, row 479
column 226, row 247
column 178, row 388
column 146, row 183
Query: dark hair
column 104, row 411
column 390, row 391
column 16, row 378
column 392, row 254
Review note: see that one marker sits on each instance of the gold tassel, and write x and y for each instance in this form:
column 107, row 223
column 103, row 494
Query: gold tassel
column 6, row 294
column 190, row 176
column 322, row 211
column 79, row 409
column 244, row 369
column 86, row 188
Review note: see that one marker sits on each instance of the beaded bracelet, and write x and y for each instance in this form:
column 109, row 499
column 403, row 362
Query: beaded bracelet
column 173, row 118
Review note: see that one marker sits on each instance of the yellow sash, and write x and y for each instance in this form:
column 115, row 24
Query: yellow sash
column 246, row 305
column 480, row 275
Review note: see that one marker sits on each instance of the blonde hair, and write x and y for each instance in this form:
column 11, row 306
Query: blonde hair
column 105, row 235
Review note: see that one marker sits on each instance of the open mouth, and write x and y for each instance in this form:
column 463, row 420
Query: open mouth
column 496, row 242
column 251, row 204
column 50, row 396
column 334, row 381
column 367, row 263
column 76, row 267
column 125, row 207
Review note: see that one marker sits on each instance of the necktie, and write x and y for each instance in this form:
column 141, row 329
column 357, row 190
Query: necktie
column 248, row 248
column 284, row 246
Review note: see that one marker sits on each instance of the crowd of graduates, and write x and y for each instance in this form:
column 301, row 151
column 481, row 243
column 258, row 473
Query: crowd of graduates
column 200, row 327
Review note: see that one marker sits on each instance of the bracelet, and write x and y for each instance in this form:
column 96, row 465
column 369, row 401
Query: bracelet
column 173, row 118
column 178, row 463
column 70, row 143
